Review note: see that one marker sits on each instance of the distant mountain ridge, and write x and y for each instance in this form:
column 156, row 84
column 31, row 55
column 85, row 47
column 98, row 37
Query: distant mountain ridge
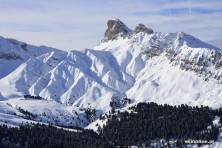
column 13, row 53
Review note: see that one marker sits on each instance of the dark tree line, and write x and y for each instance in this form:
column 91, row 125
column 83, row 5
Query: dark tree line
column 36, row 136
column 150, row 121
column 33, row 97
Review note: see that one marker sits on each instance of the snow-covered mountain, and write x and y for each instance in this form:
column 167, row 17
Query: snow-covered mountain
column 13, row 53
column 140, row 64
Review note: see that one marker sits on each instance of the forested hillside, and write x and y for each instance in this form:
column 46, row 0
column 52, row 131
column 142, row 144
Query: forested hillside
column 148, row 122
column 37, row 136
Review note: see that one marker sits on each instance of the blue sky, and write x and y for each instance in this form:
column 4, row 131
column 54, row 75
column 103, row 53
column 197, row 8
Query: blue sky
column 79, row 24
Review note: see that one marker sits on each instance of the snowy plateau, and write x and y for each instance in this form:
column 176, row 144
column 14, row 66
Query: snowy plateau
column 125, row 68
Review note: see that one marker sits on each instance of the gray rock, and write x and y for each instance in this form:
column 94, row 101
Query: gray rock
column 10, row 56
column 143, row 28
column 115, row 28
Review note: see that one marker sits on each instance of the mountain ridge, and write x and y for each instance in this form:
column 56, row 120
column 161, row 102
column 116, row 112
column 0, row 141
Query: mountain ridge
column 13, row 53
column 140, row 65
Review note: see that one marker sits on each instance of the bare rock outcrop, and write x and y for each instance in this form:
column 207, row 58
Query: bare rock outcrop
column 143, row 28
column 115, row 28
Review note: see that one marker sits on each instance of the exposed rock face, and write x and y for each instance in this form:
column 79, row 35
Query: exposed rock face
column 10, row 56
column 143, row 28
column 115, row 28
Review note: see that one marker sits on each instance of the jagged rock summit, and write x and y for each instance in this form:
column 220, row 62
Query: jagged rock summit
column 143, row 28
column 116, row 27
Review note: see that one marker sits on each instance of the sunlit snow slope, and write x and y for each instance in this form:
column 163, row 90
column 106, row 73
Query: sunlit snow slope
column 13, row 53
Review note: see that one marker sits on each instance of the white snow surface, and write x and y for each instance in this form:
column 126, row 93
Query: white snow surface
column 45, row 111
column 13, row 53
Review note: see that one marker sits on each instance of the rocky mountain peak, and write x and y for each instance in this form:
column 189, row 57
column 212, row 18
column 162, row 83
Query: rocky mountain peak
column 143, row 28
column 116, row 27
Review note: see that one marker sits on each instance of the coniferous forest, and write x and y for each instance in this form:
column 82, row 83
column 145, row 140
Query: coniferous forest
column 140, row 125
column 37, row 136
column 150, row 121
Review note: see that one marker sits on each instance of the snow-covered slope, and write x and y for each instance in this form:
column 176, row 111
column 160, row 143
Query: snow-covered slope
column 20, row 110
column 141, row 65
column 13, row 53
column 170, row 68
